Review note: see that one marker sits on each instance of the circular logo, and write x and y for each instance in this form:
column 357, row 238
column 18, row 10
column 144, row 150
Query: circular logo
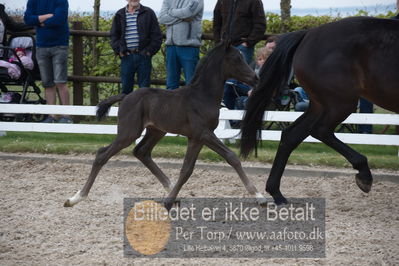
column 148, row 227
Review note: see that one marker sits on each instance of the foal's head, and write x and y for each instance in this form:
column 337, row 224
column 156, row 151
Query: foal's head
column 234, row 66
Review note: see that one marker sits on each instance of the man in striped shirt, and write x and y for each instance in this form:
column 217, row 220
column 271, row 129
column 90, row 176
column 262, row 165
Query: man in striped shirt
column 135, row 37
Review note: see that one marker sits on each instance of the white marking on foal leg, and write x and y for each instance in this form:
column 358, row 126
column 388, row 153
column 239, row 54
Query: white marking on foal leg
column 75, row 199
column 260, row 198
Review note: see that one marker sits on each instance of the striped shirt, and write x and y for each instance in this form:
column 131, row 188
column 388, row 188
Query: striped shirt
column 132, row 34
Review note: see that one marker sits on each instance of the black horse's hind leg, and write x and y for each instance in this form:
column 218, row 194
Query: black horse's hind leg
column 193, row 149
column 143, row 152
column 123, row 139
column 324, row 131
column 291, row 137
column 216, row 145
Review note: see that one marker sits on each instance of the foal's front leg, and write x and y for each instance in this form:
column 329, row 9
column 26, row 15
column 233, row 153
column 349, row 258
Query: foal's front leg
column 215, row 144
column 193, row 150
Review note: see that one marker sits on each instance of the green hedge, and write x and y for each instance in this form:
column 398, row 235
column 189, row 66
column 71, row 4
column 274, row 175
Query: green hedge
column 109, row 64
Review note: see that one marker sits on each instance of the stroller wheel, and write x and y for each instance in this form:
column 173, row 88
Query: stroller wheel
column 7, row 117
column 38, row 117
column 30, row 117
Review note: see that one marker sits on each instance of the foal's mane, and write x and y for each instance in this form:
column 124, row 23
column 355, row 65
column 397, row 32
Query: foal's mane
column 205, row 61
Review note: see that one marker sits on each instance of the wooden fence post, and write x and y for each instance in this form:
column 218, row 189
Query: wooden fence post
column 77, row 61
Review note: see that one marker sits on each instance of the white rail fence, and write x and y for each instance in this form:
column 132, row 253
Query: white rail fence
column 223, row 131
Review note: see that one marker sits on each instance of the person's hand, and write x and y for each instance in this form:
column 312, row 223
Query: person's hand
column 245, row 44
column 43, row 18
column 250, row 92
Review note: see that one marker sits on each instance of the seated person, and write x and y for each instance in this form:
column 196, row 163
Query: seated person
column 13, row 64
column 303, row 100
column 8, row 24
column 234, row 89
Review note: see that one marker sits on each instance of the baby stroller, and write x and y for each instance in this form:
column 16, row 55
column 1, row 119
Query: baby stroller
column 20, row 89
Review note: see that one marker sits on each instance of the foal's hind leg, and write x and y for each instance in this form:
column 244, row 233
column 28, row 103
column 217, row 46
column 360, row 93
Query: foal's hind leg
column 324, row 131
column 193, row 149
column 143, row 152
column 291, row 137
column 215, row 144
column 123, row 140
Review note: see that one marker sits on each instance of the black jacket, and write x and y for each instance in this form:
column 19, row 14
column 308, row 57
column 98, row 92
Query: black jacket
column 10, row 24
column 249, row 23
column 150, row 35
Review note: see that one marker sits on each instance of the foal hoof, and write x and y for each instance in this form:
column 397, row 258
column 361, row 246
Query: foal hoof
column 262, row 201
column 364, row 185
column 68, row 203
column 74, row 200
column 169, row 203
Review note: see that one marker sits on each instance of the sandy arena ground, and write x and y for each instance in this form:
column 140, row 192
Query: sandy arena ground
column 35, row 228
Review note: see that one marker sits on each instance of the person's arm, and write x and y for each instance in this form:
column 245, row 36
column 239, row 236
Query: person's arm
column 164, row 16
column 217, row 23
column 30, row 16
column 60, row 14
column 243, row 89
column 116, row 33
column 258, row 23
column 189, row 11
column 155, row 35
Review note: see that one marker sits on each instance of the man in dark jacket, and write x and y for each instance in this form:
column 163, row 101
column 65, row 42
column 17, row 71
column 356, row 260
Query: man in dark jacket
column 135, row 37
column 8, row 24
column 248, row 28
column 249, row 24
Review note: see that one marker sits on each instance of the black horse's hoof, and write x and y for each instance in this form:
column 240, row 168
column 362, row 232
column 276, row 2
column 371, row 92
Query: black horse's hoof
column 280, row 200
column 364, row 185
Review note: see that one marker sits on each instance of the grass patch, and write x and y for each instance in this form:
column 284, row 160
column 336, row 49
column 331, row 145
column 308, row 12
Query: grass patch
column 385, row 157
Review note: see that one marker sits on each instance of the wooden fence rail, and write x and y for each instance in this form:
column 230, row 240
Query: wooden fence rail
column 77, row 77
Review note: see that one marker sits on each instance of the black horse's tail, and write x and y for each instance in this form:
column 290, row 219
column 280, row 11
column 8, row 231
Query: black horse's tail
column 104, row 106
column 274, row 76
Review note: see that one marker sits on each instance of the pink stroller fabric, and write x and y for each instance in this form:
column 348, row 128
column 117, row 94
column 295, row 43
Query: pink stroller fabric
column 14, row 70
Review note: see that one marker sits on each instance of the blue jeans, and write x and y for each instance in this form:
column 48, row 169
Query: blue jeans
column 178, row 58
column 233, row 89
column 232, row 86
column 132, row 64
column 365, row 107
column 247, row 52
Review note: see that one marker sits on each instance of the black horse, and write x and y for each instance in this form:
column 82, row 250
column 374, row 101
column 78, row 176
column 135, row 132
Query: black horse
column 335, row 63
column 192, row 111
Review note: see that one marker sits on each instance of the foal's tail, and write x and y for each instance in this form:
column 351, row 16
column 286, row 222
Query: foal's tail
column 104, row 106
column 274, row 76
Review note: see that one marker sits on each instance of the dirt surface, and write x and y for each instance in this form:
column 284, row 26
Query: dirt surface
column 35, row 228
